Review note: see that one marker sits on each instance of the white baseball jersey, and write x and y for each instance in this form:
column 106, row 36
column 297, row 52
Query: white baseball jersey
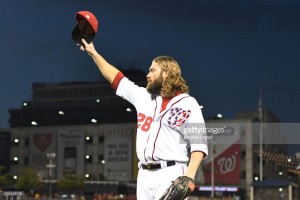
column 160, row 133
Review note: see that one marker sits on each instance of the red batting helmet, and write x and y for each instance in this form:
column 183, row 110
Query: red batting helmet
column 86, row 28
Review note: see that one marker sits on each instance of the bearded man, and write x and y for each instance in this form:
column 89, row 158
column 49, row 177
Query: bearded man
column 164, row 110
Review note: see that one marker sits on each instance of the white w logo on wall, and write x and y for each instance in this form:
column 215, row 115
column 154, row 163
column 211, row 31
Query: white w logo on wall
column 227, row 164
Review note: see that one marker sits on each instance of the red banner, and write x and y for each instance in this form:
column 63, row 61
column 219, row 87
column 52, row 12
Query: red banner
column 42, row 140
column 226, row 167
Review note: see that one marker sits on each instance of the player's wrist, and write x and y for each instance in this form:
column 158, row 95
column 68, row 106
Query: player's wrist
column 94, row 54
column 192, row 176
column 189, row 173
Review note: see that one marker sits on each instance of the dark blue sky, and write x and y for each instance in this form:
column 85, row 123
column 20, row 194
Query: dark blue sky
column 226, row 49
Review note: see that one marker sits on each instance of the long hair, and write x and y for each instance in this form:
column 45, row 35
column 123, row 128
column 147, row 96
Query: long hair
column 174, row 82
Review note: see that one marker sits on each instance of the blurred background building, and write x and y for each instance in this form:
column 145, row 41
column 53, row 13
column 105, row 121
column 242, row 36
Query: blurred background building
column 75, row 103
column 234, row 154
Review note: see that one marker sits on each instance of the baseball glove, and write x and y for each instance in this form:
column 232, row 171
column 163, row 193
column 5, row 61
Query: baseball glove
column 179, row 189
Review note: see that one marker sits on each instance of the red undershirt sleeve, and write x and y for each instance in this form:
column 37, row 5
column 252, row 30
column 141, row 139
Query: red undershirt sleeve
column 164, row 103
column 117, row 80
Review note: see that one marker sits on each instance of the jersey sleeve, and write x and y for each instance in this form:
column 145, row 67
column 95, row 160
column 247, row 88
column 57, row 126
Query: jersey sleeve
column 117, row 80
column 195, row 129
column 131, row 92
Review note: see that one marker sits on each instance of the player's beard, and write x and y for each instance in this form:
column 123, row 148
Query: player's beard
column 155, row 86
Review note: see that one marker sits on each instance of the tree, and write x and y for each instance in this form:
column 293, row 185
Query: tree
column 71, row 182
column 28, row 180
column 5, row 179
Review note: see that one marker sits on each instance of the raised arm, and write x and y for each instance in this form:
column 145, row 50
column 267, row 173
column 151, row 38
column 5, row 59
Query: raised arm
column 108, row 71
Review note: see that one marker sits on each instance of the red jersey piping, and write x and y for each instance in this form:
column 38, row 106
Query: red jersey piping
column 160, row 126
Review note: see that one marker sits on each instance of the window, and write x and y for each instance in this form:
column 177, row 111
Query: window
column 243, row 155
column 243, row 175
column 26, row 161
column 101, row 159
column 27, row 142
column 101, row 139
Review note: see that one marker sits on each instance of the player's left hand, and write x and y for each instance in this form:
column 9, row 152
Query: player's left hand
column 88, row 47
column 179, row 189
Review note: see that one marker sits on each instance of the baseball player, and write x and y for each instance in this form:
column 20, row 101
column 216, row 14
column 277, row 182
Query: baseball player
column 164, row 111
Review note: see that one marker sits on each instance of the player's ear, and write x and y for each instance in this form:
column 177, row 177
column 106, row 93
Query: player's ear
column 164, row 74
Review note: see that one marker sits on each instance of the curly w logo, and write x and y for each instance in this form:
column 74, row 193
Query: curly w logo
column 178, row 116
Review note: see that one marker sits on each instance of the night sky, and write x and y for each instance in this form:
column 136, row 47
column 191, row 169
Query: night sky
column 226, row 49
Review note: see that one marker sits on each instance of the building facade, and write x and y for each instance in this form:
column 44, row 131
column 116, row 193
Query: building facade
column 5, row 151
column 98, row 152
